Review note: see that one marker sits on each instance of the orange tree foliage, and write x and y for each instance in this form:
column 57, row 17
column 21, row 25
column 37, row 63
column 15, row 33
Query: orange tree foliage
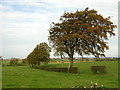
column 82, row 32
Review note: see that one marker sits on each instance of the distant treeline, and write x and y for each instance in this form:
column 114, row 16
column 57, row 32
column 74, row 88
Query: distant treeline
column 84, row 59
column 75, row 59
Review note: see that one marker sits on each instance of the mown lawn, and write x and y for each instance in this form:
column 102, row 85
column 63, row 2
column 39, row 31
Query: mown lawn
column 27, row 77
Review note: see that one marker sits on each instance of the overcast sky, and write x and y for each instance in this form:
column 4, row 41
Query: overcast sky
column 25, row 23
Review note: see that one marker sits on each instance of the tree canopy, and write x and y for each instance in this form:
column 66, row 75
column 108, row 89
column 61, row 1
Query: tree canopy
column 83, row 32
column 41, row 53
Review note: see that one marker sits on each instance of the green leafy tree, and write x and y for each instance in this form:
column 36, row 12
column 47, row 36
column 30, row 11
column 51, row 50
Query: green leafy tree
column 41, row 53
column 83, row 32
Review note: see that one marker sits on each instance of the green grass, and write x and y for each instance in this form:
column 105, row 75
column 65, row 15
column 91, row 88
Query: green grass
column 26, row 77
column 0, row 75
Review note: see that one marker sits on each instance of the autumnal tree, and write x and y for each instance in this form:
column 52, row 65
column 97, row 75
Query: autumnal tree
column 84, row 32
column 41, row 53
column 58, row 52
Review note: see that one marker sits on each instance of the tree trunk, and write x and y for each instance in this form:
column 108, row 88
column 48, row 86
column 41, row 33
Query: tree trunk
column 61, row 58
column 38, row 63
column 71, row 63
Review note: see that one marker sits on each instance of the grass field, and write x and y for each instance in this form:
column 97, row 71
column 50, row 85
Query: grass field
column 0, row 76
column 27, row 77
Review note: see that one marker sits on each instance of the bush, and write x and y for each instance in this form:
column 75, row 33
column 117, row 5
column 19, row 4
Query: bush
column 21, row 64
column 24, row 61
column 14, row 62
column 98, row 69
column 73, row 70
column 57, row 69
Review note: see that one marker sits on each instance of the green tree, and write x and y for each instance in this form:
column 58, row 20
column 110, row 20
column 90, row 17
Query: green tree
column 41, row 53
column 83, row 32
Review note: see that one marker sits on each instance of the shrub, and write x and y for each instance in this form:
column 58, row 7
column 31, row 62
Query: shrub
column 54, row 69
column 57, row 69
column 24, row 61
column 13, row 62
column 98, row 69
column 3, row 65
column 73, row 70
column 21, row 64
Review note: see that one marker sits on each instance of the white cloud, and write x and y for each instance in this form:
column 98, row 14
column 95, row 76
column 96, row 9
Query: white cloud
column 19, row 16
